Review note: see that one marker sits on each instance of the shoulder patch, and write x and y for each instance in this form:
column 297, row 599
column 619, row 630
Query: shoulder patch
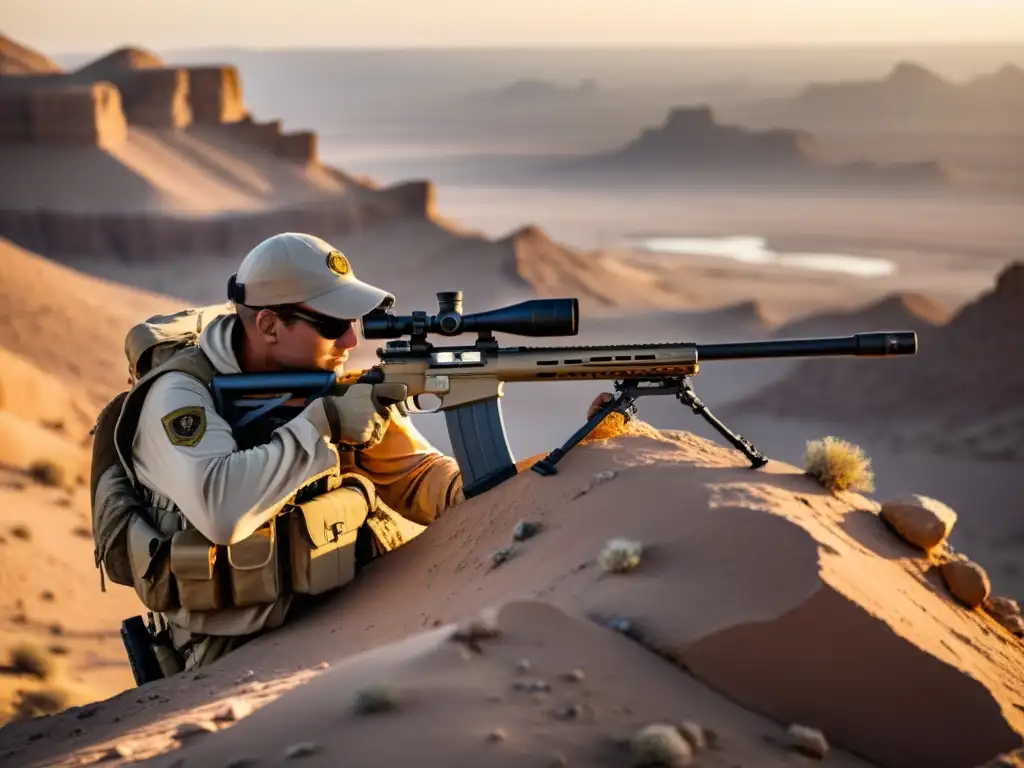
column 185, row 426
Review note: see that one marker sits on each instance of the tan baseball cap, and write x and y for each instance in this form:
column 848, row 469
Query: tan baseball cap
column 296, row 268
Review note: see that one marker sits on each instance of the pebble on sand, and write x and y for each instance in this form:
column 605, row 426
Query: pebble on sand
column 693, row 733
column 300, row 749
column 809, row 741
column 919, row 520
column 620, row 555
column 660, row 744
column 966, row 581
column 525, row 530
column 194, row 728
column 233, row 710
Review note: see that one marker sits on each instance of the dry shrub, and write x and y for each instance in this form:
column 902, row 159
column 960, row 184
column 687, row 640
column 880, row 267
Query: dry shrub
column 838, row 465
column 47, row 472
column 29, row 660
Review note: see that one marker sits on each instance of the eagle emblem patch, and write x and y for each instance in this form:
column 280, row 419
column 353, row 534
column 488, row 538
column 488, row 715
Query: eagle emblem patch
column 185, row 426
column 338, row 264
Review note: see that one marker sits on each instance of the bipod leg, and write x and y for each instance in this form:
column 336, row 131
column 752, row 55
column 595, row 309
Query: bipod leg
column 624, row 404
column 688, row 397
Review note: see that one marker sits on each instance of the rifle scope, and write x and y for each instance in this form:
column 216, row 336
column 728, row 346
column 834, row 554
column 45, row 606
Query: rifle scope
column 537, row 317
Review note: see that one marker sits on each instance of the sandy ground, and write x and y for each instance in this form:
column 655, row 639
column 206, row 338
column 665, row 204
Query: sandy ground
column 739, row 578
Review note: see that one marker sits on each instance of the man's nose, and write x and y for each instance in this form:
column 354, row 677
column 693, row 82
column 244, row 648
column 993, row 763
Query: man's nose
column 348, row 340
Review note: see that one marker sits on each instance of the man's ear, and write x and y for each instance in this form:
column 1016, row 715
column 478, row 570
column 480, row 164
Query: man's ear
column 267, row 325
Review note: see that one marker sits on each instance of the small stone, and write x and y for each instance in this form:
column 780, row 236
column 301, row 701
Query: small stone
column 300, row 749
column 919, row 520
column 525, row 530
column 694, row 734
column 246, row 676
column 1014, row 624
column 966, row 581
column 194, row 728
column 568, row 712
column 604, row 476
column 623, row 626
column 119, row 750
column 809, row 741
column 375, row 699
column 498, row 734
column 620, row 555
column 660, row 744
column 323, row 665
column 574, row 676
column 531, row 685
column 502, row 555
column 483, row 626
column 523, row 666
column 234, row 710
column 998, row 605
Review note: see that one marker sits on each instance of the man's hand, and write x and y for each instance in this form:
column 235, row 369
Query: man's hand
column 360, row 416
column 599, row 402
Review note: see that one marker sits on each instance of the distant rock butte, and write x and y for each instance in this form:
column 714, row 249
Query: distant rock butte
column 691, row 140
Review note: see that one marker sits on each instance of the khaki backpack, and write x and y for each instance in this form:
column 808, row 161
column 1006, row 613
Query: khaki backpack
column 149, row 348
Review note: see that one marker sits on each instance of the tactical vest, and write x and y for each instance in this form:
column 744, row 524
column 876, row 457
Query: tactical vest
column 309, row 548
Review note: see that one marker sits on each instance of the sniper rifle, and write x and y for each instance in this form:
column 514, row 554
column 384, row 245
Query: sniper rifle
column 468, row 379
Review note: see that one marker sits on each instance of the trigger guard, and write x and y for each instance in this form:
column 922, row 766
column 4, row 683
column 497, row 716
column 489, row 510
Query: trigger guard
column 415, row 406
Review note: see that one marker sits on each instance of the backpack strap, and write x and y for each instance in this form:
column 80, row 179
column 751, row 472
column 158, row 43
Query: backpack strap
column 191, row 361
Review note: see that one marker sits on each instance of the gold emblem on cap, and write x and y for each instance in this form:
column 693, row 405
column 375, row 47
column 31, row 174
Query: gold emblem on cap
column 338, row 264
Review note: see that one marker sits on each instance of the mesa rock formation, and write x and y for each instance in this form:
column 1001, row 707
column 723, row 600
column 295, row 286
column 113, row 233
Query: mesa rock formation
column 128, row 155
column 692, row 144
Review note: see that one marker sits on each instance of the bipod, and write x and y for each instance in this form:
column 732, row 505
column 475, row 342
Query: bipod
column 625, row 403
column 688, row 397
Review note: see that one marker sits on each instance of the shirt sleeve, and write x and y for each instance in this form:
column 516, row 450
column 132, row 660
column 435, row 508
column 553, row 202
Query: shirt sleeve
column 411, row 476
column 185, row 451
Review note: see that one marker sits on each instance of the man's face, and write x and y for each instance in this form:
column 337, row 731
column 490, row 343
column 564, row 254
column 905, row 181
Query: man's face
column 301, row 343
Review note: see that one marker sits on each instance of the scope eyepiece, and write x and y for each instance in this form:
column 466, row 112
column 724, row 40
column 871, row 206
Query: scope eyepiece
column 536, row 317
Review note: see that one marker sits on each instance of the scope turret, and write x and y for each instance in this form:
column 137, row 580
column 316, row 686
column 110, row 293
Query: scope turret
column 536, row 317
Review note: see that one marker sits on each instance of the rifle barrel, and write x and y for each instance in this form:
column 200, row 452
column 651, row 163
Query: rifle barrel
column 876, row 344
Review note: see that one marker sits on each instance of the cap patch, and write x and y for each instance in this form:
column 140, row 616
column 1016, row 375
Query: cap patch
column 185, row 426
column 338, row 264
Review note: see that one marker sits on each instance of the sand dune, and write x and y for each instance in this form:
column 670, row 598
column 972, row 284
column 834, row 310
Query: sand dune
column 750, row 582
column 69, row 324
column 908, row 311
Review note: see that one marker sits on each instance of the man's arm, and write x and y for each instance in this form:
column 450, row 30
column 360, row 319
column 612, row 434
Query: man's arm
column 411, row 476
column 185, row 451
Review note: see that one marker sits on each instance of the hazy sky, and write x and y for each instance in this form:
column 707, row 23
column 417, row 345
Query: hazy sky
column 60, row 26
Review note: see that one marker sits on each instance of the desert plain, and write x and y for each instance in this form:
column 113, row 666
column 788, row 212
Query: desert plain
column 762, row 604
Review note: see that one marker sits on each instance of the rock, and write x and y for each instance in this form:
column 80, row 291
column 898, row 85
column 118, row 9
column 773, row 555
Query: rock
column 194, row 728
column 694, row 734
column 966, row 581
column 660, row 744
column 300, row 749
column 234, row 710
column 498, row 734
column 523, row 666
column 574, row 676
column 809, row 741
column 919, row 520
column 998, row 605
column 525, row 530
column 620, row 555
column 501, row 555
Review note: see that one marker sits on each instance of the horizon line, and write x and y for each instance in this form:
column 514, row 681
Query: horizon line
column 527, row 46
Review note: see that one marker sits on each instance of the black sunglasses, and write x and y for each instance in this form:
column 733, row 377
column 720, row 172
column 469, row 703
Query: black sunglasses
column 328, row 327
